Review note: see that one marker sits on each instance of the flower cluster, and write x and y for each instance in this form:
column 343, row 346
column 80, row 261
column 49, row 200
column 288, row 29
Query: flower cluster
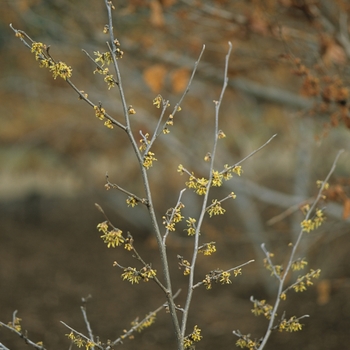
column 319, row 183
column 261, row 308
column 80, row 342
column 215, row 208
column 275, row 269
column 185, row 264
column 103, row 59
column 144, row 142
column 148, row 160
column 134, row 276
column 199, row 185
column 244, row 341
column 217, row 276
column 291, row 325
column 228, row 170
column 15, row 324
column 131, row 202
column 100, row 113
column 304, row 281
column 112, row 238
column 158, row 101
column 194, row 337
column 169, row 122
column 207, row 249
column 59, row 69
column 217, row 178
column 146, row 322
column 312, row 224
column 299, row 264
column 191, row 224
column 173, row 216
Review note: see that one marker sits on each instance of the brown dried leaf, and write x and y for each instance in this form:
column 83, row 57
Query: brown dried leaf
column 154, row 77
column 346, row 208
column 332, row 53
column 179, row 80
column 157, row 17
column 324, row 292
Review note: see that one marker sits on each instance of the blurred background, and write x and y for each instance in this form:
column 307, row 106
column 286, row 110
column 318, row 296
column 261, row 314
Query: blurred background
column 288, row 75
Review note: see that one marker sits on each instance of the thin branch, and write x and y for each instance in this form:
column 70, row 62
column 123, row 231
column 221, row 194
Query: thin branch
column 173, row 214
column 205, row 199
column 132, row 329
column 115, row 186
column 81, row 94
column 86, row 320
column 82, row 335
column 291, row 258
column 19, row 333
column 229, row 270
column 252, row 153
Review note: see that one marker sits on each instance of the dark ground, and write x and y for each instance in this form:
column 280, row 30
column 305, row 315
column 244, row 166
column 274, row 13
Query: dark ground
column 51, row 256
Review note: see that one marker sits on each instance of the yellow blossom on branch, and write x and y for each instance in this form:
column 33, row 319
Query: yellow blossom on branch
column 131, row 274
column 215, row 208
column 109, row 80
column 144, row 142
column 148, row 160
column 207, row 248
column 191, row 224
column 104, row 58
column 60, row 69
column 299, row 264
column 291, row 325
column 217, row 179
column 113, row 238
column 237, row 170
column 131, row 202
column 201, row 186
column 312, row 224
column 157, row 101
column 108, row 124
column 100, row 112
column 195, row 336
column 146, row 322
column 225, row 278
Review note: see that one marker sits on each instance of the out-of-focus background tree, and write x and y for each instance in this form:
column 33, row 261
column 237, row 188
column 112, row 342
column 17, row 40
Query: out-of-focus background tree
column 289, row 74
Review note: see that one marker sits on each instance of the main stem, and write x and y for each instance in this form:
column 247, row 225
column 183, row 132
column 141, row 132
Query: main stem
column 161, row 246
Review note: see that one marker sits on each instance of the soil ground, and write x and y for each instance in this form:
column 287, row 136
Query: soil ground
column 51, row 256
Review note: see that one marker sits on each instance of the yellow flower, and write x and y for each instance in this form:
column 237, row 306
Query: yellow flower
column 131, row 201
column 225, row 278
column 100, row 112
column 215, row 208
column 217, row 179
column 148, row 160
column 157, row 101
column 108, row 123
column 191, row 224
column 132, row 275
column 113, row 238
column 237, row 170
column 104, row 58
column 60, row 69
column 207, row 249
column 109, row 80
column 221, row 134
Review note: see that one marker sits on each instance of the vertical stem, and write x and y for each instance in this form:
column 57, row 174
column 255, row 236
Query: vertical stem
column 205, row 201
column 161, row 246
